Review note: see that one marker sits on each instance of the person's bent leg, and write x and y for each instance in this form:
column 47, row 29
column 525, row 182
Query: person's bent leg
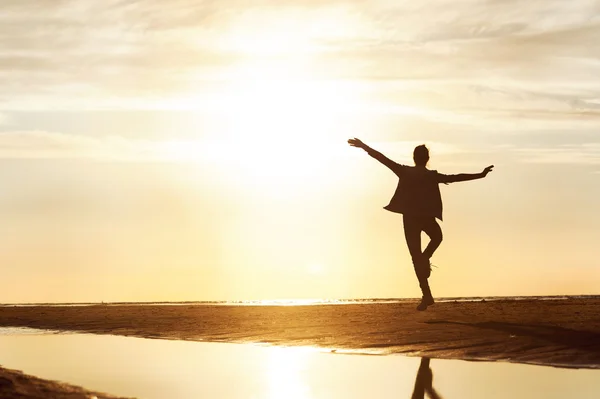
column 434, row 231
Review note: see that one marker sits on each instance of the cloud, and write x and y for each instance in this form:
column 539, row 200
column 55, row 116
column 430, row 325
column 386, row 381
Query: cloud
column 119, row 148
column 583, row 154
column 462, row 57
column 52, row 145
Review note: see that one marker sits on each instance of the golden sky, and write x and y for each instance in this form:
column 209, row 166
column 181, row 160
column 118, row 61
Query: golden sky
column 197, row 150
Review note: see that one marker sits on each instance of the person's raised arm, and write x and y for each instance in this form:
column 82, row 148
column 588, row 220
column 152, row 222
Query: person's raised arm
column 465, row 176
column 375, row 154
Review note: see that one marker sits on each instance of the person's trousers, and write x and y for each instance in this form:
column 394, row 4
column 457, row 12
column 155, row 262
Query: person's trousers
column 413, row 226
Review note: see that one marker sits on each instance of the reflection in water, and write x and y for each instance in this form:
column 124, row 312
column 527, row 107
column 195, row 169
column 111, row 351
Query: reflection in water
column 159, row 369
column 284, row 373
column 424, row 382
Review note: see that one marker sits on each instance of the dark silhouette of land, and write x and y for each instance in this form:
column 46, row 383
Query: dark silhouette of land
column 419, row 200
column 16, row 385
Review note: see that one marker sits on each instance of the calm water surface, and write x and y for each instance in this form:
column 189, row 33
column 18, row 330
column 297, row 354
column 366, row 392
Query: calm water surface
column 163, row 369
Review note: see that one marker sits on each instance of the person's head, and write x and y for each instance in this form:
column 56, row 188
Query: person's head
column 421, row 155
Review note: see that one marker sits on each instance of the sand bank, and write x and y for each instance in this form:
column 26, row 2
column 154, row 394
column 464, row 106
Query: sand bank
column 557, row 332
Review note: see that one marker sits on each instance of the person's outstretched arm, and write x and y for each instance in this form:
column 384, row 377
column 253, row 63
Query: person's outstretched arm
column 465, row 176
column 394, row 166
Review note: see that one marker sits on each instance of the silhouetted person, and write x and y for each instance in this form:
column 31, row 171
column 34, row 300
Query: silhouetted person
column 424, row 382
column 418, row 198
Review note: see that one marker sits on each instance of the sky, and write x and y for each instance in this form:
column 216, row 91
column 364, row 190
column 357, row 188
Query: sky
column 197, row 150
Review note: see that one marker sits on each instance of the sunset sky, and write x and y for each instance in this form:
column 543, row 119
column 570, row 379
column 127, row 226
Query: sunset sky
column 196, row 150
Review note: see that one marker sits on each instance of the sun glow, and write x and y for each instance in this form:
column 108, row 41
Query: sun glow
column 270, row 101
column 279, row 123
column 281, row 118
column 315, row 268
column 285, row 373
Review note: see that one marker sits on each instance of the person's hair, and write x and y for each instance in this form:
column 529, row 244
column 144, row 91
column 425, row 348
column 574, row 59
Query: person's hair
column 421, row 155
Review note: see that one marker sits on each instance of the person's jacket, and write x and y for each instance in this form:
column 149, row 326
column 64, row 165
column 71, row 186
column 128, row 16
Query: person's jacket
column 418, row 191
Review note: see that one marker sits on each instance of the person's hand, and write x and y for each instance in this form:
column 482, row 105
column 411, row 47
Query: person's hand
column 356, row 143
column 487, row 170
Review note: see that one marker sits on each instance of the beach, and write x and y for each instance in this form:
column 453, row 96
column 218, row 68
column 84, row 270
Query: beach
column 551, row 332
column 563, row 332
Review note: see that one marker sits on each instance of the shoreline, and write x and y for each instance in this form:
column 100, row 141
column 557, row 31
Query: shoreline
column 552, row 333
column 307, row 301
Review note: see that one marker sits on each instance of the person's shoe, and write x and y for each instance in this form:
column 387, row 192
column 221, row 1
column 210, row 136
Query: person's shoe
column 425, row 302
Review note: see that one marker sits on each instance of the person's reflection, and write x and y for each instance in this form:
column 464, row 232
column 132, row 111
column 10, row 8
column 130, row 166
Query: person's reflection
column 424, row 382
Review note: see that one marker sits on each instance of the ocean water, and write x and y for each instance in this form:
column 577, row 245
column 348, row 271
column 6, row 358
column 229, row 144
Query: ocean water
column 315, row 301
column 168, row 369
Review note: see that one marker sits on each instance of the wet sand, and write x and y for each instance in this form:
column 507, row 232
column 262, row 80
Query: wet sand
column 548, row 332
column 16, row 385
